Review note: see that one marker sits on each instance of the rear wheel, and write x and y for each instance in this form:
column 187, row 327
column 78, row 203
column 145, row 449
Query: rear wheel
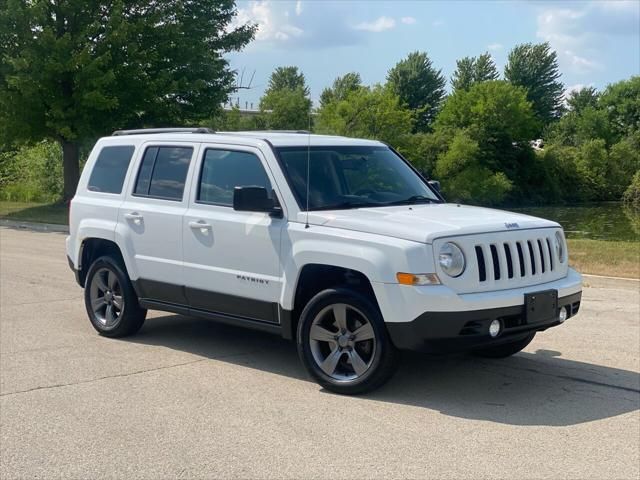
column 110, row 300
column 506, row 349
column 343, row 342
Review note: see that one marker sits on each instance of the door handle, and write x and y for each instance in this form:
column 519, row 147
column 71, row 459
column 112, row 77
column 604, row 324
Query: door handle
column 135, row 217
column 200, row 225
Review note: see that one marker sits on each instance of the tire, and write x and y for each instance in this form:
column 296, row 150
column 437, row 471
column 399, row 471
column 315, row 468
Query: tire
column 111, row 302
column 335, row 358
column 506, row 349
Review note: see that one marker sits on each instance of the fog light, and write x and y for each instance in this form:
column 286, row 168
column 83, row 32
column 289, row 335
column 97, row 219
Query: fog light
column 494, row 328
column 562, row 316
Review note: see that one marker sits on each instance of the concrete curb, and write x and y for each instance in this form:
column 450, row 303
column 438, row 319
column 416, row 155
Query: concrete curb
column 38, row 227
column 611, row 278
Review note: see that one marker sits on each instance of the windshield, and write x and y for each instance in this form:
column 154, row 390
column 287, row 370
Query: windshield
column 352, row 177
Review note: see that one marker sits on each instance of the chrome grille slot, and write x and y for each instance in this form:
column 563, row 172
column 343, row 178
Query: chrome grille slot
column 482, row 271
column 507, row 252
column 543, row 258
column 521, row 259
column 532, row 258
column 496, row 262
column 550, row 250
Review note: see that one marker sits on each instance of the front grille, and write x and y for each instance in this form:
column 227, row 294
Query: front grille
column 515, row 259
column 504, row 260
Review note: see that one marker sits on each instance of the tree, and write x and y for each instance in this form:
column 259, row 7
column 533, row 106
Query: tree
column 465, row 178
column 286, row 109
column 622, row 102
column 420, row 87
column 535, row 67
column 367, row 113
column 287, row 78
column 591, row 162
column 71, row 70
column 341, row 87
column 472, row 70
column 497, row 118
column 496, row 112
column 632, row 194
column 578, row 100
column 624, row 161
column 285, row 103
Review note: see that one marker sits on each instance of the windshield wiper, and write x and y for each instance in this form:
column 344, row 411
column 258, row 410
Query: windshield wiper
column 348, row 204
column 413, row 200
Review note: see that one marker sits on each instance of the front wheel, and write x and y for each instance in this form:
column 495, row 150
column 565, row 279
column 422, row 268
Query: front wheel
column 343, row 342
column 506, row 349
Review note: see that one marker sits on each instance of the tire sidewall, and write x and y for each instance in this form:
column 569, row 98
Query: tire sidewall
column 123, row 280
column 366, row 307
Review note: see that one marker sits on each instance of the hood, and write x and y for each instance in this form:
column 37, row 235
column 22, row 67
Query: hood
column 424, row 223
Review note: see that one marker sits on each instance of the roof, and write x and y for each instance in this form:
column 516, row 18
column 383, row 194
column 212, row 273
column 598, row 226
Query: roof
column 253, row 138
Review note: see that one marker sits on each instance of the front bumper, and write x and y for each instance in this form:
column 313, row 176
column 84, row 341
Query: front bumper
column 447, row 332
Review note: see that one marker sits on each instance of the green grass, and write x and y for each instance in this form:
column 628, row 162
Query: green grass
column 35, row 212
column 600, row 257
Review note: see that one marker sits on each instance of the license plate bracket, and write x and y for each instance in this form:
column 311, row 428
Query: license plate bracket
column 541, row 306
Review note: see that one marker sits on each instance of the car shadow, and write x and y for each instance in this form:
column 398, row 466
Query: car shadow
column 540, row 388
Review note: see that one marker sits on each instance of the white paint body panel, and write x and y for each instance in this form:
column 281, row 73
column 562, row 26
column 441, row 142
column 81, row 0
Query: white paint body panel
column 378, row 242
column 234, row 249
column 424, row 223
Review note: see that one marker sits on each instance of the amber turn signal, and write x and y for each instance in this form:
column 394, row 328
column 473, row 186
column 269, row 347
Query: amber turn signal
column 416, row 279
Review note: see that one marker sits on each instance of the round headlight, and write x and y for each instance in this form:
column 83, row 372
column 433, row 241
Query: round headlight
column 561, row 252
column 451, row 259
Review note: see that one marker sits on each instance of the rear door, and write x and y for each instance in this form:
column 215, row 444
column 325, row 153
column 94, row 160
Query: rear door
column 231, row 258
column 150, row 220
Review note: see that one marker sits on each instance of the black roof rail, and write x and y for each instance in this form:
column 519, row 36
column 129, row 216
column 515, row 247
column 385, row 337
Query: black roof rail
column 303, row 132
column 143, row 131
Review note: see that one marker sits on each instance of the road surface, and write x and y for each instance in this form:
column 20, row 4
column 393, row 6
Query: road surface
column 187, row 398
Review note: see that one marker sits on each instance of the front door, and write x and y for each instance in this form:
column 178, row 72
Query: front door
column 231, row 258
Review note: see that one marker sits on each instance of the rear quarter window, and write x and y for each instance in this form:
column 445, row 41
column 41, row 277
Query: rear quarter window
column 110, row 169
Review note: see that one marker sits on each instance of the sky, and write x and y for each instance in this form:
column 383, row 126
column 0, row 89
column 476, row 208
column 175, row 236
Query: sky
column 597, row 43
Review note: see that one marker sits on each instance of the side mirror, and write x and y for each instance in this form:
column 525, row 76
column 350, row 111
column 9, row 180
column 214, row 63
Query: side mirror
column 254, row 199
column 435, row 184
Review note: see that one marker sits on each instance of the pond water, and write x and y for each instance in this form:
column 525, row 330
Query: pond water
column 601, row 221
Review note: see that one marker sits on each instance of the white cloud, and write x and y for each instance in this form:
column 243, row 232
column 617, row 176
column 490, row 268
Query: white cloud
column 273, row 25
column 438, row 22
column 378, row 25
column 577, row 33
column 581, row 64
column 495, row 46
column 408, row 20
column 297, row 24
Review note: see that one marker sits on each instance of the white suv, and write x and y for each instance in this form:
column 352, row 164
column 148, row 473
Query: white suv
column 335, row 242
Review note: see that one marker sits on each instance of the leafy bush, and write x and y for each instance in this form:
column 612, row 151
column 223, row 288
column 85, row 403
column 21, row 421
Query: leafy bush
column 463, row 177
column 632, row 194
column 32, row 173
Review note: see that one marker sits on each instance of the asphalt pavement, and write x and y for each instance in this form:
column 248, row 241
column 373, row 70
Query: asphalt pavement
column 188, row 398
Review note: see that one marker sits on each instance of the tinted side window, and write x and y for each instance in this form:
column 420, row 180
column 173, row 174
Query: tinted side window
column 223, row 170
column 144, row 174
column 110, row 169
column 163, row 172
